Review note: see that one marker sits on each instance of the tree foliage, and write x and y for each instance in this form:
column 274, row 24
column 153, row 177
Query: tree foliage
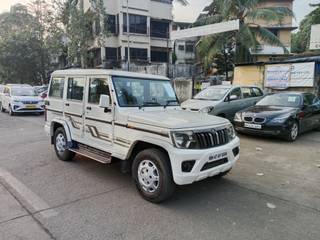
column 301, row 39
column 250, row 33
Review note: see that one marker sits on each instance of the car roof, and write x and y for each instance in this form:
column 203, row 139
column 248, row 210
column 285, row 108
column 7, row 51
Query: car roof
column 230, row 86
column 88, row 72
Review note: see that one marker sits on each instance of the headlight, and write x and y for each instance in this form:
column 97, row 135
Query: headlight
column 231, row 132
column 206, row 109
column 238, row 117
column 281, row 119
column 183, row 139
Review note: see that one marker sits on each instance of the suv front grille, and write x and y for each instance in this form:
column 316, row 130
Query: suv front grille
column 212, row 139
column 30, row 102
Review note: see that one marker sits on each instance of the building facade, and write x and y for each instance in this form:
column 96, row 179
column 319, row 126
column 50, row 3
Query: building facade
column 150, row 24
column 266, row 52
column 184, row 49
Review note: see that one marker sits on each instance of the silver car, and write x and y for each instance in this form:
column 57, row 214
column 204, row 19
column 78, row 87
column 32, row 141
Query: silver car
column 224, row 101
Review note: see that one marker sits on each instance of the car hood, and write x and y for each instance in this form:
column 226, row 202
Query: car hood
column 196, row 104
column 175, row 119
column 268, row 111
column 26, row 98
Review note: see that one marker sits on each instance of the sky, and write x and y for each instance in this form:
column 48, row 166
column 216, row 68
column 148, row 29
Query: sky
column 191, row 12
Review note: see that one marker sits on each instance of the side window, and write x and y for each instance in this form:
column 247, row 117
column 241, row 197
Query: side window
column 257, row 92
column 56, row 88
column 98, row 86
column 246, row 91
column 75, row 88
column 236, row 92
column 309, row 99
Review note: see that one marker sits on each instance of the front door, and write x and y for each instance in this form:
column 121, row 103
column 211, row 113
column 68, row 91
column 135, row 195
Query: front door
column 98, row 121
column 74, row 106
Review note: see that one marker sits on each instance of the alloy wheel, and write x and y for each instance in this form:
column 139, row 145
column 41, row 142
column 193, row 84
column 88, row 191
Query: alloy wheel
column 148, row 176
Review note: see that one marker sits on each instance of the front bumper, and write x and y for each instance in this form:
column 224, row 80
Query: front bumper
column 266, row 130
column 201, row 158
column 23, row 108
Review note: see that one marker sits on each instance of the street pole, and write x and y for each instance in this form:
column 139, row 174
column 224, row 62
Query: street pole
column 168, row 52
column 128, row 35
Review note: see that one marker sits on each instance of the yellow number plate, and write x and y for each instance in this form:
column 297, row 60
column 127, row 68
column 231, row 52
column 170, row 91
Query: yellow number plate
column 31, row 106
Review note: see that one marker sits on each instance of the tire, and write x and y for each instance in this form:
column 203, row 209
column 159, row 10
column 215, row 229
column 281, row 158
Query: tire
column 60, row 141
column 11, row 113
column 153, row 164
column 221, row 175
column 2, row 108
column 293, row 132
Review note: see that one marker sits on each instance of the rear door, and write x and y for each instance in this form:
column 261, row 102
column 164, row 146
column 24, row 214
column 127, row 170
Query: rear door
column 55, row 102
column 228, row 107
column 74, row 105
column 98, row 121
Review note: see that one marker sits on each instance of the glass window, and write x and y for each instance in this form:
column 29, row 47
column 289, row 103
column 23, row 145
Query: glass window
column 281, row 99
column 56, row 88
column 190, row 47
column 133, row 92
column 75, row 88
column 159, row 29
column 98, row 86
column 246, row 92
column 181, row 47
column 236, row 92
column 137, row 54
column 23, row 91
column 309, row 99
column 212, row 93
column 111, row 24
column 137, row 23
column 257, row 92
column 159, row 56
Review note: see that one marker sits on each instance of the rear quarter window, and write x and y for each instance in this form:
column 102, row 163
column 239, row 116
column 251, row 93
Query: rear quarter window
column 56, row 88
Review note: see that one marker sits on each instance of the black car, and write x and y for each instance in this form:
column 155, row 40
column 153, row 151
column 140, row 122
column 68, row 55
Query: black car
column 282, row 114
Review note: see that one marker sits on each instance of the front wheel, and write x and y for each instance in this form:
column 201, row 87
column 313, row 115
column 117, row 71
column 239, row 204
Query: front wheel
column 152, row 174
column 60, row 146
column 293, row 132
column 2, row 108
column 11, row 112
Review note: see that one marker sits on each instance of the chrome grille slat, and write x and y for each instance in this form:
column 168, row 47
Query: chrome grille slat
column 212, row 138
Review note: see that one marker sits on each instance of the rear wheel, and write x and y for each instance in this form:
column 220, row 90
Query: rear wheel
column 60, row 146
column 293, row 132
column 152, row 174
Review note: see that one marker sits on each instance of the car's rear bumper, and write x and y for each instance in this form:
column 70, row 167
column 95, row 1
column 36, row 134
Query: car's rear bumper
column 203, row 167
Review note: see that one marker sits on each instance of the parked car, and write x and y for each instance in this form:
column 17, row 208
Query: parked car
column 107, row 115
column 282, row 114
column 1, row 93
column 224, row 101
column 21, row 99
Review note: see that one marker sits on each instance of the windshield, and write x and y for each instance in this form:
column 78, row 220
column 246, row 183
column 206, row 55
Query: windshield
column 25, row 91
column 282, row 100
column 214, row 94
column 135, row 92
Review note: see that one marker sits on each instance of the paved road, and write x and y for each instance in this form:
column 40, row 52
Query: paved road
column 273, row 193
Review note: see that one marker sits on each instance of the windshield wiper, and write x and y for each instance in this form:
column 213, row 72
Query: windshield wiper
column 149, row 103
column 170, row 101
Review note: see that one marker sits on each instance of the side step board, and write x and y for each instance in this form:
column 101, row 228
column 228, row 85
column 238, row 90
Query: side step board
column 92, row 153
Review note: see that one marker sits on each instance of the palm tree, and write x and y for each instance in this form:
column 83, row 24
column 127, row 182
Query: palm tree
column 250, row 35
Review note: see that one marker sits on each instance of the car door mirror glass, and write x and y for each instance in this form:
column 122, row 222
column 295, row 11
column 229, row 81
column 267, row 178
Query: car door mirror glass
column 104, row 101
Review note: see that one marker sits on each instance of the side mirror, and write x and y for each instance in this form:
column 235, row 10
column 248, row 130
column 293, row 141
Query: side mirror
column 233, row 98
column 104, row 101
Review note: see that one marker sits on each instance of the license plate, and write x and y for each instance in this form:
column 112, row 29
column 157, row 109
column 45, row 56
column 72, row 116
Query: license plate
column 31, row 106
column 254, row 126
column 217, row 156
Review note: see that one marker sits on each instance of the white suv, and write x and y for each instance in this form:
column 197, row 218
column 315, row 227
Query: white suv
column 21, row 99
column 136, row 118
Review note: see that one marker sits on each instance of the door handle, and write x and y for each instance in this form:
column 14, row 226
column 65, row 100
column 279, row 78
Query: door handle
column 89, row 108
column 67, row 104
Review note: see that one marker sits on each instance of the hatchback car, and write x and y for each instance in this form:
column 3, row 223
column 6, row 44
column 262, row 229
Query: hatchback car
column 282, row 114
column 224, row 101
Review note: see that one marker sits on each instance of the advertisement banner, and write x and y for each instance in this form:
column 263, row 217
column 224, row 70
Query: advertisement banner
column 277, row 76
column 302, row 74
